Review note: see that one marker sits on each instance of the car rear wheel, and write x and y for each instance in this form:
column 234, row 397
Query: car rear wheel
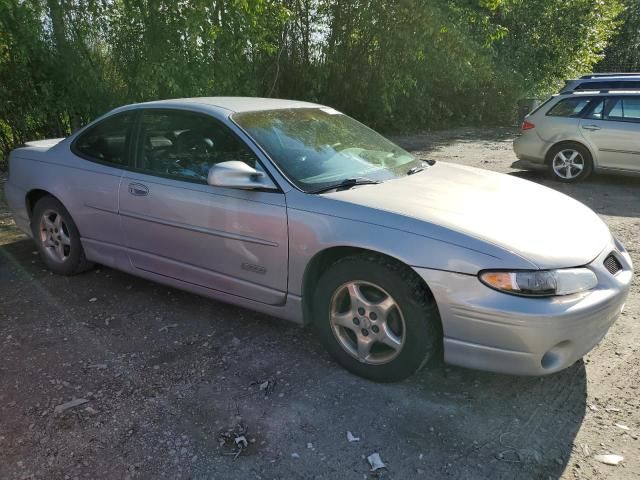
column 376, row 317
column 57, row 238
column 570, row 163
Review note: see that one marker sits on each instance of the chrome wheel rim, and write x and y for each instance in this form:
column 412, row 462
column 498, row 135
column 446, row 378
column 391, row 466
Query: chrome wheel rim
column 367, row 322
column 54, row 236
column 568, row 164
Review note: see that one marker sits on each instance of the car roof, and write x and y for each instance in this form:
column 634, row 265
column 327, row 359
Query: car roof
column 229, row 104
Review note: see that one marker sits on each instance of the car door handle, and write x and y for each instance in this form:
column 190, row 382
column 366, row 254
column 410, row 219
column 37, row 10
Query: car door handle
column 138, row 189
column 591, row 127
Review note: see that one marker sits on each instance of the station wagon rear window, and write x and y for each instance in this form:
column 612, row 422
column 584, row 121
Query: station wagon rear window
column 570, row 107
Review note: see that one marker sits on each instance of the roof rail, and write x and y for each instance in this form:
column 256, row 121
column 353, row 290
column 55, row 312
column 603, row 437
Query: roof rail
column 610, row 74
column 596, row 91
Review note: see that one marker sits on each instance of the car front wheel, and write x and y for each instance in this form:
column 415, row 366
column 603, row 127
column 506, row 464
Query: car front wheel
column 376, row 317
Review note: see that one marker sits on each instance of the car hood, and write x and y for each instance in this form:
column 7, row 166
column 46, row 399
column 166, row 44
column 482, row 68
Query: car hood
column 546, row 227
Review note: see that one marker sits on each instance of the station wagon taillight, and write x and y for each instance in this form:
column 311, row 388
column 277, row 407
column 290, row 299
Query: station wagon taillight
column 527, row 126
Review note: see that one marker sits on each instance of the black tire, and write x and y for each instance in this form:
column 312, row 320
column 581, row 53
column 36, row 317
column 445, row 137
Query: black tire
column 567, row 149
column 422, row 329
column 74, row 260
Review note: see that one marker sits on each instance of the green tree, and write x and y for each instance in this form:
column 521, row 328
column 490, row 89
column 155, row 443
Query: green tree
column 623, row 53
column 401, row 64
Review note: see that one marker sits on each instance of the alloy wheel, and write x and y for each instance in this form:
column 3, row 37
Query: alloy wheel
column 568, row 164
column 54, row 236
column 367, row 322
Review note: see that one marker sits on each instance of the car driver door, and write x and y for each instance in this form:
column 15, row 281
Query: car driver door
column 176, row 225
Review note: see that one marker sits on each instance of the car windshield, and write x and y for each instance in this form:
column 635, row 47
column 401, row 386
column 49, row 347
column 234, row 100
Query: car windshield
column 320, row 147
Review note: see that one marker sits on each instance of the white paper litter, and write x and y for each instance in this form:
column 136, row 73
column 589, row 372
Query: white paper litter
column 609, row 459
column 352, row 438
column 376, row 462
column 622, row 426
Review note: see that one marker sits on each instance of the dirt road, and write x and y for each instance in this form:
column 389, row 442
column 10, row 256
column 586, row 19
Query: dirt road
column 171, row 380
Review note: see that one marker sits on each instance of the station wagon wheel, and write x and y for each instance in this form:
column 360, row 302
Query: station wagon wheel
column 376, row 317
column 570, row 162
column 57, row 238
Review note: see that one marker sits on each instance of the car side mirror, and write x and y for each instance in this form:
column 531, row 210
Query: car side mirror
column 236, row 174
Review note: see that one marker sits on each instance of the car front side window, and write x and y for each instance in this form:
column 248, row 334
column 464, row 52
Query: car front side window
column 185, row 145
column 107, row 141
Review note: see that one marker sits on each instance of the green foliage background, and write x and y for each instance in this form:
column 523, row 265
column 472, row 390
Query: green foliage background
column 396, row 64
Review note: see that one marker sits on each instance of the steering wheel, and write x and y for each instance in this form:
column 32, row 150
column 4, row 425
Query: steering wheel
column 191, row 142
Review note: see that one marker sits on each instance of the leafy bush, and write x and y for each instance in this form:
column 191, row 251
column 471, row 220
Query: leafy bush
column 398, row 65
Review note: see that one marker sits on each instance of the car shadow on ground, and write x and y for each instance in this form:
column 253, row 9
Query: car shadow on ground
column 178, row 363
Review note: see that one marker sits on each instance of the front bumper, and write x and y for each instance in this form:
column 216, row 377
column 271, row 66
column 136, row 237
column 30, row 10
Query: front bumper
column 490, row 330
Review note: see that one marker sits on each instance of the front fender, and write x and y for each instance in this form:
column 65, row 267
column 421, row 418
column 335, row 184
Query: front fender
column 311, row 233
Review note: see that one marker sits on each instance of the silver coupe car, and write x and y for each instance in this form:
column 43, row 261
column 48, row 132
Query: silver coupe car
column 298, row 211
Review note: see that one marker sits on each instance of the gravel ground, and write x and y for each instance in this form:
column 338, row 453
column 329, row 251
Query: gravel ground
column 170, row 380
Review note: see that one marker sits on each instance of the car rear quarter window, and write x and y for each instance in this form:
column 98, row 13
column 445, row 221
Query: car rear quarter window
column 570, row 107
column 107, row 141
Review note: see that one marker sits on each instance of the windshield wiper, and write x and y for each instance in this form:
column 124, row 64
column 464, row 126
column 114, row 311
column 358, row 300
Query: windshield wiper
column 413, row 170
column 346, row 184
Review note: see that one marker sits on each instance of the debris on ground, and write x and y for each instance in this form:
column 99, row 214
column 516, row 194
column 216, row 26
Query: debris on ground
column 98, row 366
column 167, row 327
column 295, row 455
column 622, row 426
column 66, row 406
column 234, row 440
column 93, row 299
column 267, row 386
column 352, row 438
column 376, row 462
column 609, row 459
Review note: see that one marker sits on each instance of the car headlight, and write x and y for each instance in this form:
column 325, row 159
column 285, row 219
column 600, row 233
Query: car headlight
column 541, row 283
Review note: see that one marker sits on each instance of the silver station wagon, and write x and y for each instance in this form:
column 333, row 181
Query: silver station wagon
column 578, row 132
column 298, row 211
